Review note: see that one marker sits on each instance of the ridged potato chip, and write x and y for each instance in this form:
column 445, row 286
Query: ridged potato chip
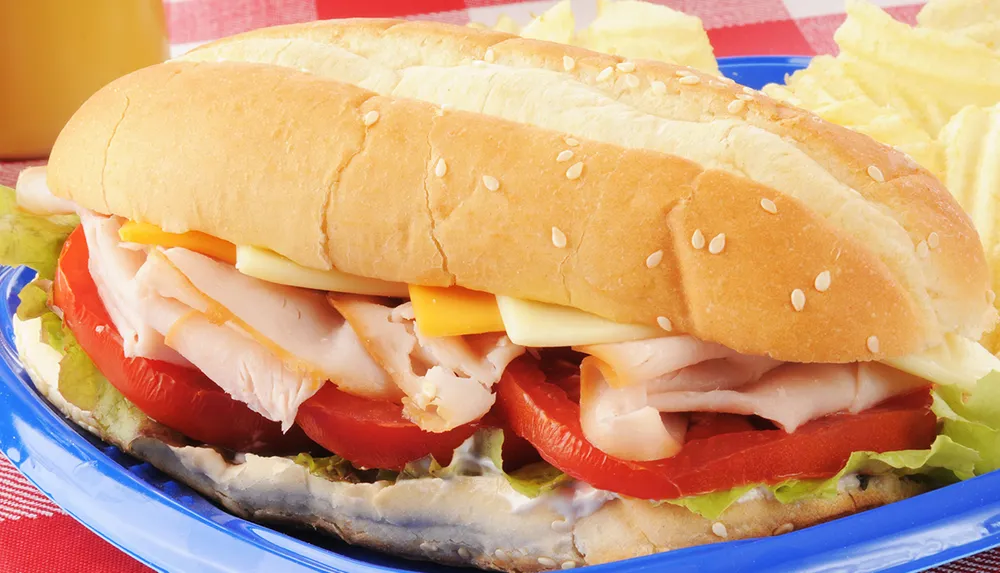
column 978, row 21
column 629, row 28
column 971, row 142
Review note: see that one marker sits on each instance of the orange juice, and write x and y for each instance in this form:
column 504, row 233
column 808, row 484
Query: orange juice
column 55, row 53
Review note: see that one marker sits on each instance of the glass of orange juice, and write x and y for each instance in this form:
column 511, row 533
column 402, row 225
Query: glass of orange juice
column 55, row 53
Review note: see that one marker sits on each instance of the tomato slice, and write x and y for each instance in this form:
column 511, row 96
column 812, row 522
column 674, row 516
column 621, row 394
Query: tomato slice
column 177, row 397
column 542, row 413
column 373, row 433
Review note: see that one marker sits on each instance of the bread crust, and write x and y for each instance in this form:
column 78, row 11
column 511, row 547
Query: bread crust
column 328, row 173
column 477, row 521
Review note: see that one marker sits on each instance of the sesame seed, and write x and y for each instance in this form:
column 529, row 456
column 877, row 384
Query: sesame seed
column 748, row 90
column 100, row 328
column 569, row 565
column 654, row 259
column 690, row 80
column 489, row 56
column 440, row 168
column 872, row 344
column 658, row 87
column 664, row 323
column 717, row 244
column 605, row 74
column 698, row 239
column 822, row 282
column 798, row 300
column 744, row 97
column 923, row 250
column 735, row 106
column 626, row 67
column 571, row 142
column 631, row 81
column 783, row 528
column 768, row 205
column 716, row 84
column 370, row 118
column 428, row 547
column 875, row 173
column 491, row 182
column 933, row 240
column 303, row 70
column 464, row 553
column 990, row 296
column 546, row 562
column 558, row 238
column 478, row 63
column 500, row 554
column 561, row 525
column 568, row 63
column 445, row 107
column 683, row 72
column 719, row 529
column 564, row 155
column 574, row 170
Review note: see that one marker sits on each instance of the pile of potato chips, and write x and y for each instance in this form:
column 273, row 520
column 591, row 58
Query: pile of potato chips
column 932, row 91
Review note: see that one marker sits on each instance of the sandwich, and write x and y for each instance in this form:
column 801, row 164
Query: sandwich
column 482, row 300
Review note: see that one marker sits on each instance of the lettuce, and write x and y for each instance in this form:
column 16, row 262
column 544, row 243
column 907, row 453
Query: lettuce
column 31, row 240
column 482, row 455
column 967, row 445
column 80, row 382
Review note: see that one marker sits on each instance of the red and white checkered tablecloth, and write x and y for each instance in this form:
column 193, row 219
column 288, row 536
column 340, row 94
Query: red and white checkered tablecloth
column 37, row 537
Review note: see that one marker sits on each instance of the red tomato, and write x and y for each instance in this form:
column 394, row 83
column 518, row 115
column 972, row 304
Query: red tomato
column 179, row 398
column 373, row 433
column 546, row 417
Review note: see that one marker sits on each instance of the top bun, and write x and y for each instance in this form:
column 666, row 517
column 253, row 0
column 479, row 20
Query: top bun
column 438, row 155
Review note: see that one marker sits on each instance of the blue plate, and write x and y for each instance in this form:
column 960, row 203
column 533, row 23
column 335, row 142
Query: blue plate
column 171, row 528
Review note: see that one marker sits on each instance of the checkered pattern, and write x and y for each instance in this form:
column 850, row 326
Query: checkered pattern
column 37, row 537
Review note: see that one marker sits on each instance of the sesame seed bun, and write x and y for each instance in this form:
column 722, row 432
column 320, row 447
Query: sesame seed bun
column 326, row 143
column 461, row 521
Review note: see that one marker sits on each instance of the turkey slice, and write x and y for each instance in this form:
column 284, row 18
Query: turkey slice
column 448, row 381
column 113, row 269
column 794, row 394
column 298, row 324
column 619, row 420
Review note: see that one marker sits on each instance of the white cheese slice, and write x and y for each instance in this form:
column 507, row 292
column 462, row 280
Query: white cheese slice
column 958, row 362
column 272, row 267
column 539, row 324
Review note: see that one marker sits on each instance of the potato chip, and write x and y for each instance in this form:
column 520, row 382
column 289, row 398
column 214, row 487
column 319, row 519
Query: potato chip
column 641, row 30
column 978, row 21
column 554, row 25
column 629, row 28
column 827, row 89
column 972, row 145
column 929, row 73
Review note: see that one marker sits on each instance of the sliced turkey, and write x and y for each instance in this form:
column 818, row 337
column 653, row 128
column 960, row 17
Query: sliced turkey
column 448, row 381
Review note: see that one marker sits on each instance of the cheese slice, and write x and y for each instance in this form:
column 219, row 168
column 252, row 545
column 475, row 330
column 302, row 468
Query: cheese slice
column 958, row 362
column 539, row 324
column 272, row 267
column 149, row 234
column 454, row 311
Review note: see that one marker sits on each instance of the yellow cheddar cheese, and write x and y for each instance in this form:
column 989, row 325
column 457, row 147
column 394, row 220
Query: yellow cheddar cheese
column 454, row 311
column 149, row 234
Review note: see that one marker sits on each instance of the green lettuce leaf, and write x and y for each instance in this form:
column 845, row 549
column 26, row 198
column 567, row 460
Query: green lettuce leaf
column 482, row 455
column 31, row 240
column 973, row 419
column 946, row 461
column 80, row 382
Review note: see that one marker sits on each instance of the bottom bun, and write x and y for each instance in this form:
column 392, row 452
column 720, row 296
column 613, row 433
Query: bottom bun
column 478, row 521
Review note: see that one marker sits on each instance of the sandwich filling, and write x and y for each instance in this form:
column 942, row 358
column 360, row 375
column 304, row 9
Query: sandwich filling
column 236, row 348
